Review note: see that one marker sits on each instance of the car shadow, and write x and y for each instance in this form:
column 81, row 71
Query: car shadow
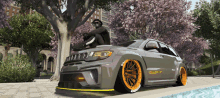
column 101, row 94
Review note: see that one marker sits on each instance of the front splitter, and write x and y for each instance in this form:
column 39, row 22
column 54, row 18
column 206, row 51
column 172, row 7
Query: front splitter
column 85, row 89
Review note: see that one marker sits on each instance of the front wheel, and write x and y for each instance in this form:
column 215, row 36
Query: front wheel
column 129, row 77
column 182, row 79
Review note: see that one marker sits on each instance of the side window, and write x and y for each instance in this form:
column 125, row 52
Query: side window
column 173, row 51
column 152, row 46
column 165, row 49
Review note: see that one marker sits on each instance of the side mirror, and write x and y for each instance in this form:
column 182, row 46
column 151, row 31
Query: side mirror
column 151, row 45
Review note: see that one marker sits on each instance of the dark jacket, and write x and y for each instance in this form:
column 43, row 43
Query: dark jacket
column 103, row 32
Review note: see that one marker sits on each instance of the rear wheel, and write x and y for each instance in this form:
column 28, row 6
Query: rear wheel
column 129, row 77
column 182, row 79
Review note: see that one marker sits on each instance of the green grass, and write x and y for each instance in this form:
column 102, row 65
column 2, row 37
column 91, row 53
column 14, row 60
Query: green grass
column 208, row 68
column 44, row 74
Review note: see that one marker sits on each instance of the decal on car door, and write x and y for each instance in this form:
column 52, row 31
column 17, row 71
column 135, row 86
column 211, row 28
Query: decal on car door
column 154, row 72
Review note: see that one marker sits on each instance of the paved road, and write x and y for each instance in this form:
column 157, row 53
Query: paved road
column 43, row 88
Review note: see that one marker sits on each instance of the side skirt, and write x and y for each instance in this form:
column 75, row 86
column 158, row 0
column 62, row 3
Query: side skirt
column 161, row 82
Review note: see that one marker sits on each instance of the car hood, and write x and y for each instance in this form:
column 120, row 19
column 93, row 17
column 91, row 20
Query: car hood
column 105, row 47
column 98, row 48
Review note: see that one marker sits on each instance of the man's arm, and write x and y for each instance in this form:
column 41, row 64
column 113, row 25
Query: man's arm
column 97, row 31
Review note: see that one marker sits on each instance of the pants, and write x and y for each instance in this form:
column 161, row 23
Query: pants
column 93, row 41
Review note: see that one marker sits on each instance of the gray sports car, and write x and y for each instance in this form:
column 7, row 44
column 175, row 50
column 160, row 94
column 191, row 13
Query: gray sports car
column 124, row 68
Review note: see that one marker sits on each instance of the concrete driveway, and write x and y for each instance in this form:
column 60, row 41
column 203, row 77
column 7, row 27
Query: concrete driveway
column 43, row 88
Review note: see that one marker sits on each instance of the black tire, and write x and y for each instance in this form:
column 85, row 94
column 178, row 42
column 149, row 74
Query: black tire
column 129, row 82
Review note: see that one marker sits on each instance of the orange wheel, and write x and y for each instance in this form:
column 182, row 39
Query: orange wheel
column 182, row 79
column 130, row 76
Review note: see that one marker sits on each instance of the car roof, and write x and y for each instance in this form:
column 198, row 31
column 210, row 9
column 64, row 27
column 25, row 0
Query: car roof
column 159, row 41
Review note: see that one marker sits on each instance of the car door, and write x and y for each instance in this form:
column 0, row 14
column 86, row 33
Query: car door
column 153, row 60
column 169, row 60
column 177, row 61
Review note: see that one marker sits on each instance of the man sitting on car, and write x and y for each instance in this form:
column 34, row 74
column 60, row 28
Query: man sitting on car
column 99, row 36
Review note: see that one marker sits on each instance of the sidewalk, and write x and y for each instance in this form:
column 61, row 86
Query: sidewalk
column 194, row 82
column 43, row 88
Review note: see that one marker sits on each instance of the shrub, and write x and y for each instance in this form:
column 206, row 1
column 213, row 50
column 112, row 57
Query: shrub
column 17, row 69
column 43, row 74
column 192, row 73
column 44, row 70
column 202, row 72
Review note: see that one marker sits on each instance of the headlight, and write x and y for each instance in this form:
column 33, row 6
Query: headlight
column 101, row 54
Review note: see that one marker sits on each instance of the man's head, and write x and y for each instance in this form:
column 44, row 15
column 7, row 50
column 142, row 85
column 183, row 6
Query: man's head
column 97, row 23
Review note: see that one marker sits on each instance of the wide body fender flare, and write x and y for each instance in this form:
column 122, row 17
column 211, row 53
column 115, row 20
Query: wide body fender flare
column 121, row 60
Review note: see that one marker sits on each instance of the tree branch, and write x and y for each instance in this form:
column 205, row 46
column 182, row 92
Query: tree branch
column 86, row 5
column 87, row 17
column 90, row 4
column 71, row 8
column 49, row 16
column 55, row 10
column 59, row 7
column 35, row 7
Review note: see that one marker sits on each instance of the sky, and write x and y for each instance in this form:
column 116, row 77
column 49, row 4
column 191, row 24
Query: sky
column 192, row 5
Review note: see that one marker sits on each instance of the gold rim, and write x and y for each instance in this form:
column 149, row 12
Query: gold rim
column 183, row 76
column 131, row 74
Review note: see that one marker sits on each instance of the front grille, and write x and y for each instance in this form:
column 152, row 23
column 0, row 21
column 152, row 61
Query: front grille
column 77, row 57
column 72, row 84
column 69, row 77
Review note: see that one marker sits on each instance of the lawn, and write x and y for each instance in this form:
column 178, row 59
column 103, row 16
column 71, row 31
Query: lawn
column 208, row 68
column 45, row 74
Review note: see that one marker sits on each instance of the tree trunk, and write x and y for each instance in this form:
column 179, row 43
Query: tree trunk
column 34, row 58
column 217, row 71
column 63, row 51
column 21, row 50
column 7, row 48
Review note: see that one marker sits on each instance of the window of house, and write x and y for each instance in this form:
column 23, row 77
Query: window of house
column 13, row 9
column 91, row 20
column 97, row 12
column 12, row 14
column 8, row 8
column 105, row 23
column 17, row 10
column 104, row 18
column 7, row 13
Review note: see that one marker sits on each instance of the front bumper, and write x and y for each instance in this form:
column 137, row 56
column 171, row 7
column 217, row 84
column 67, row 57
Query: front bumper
column 84, row 89
column 80, row 79
column 97, row 76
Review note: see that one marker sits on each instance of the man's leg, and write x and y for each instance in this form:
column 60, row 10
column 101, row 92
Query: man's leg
column 99, row 39
column 87, row 41
column 90, row 40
